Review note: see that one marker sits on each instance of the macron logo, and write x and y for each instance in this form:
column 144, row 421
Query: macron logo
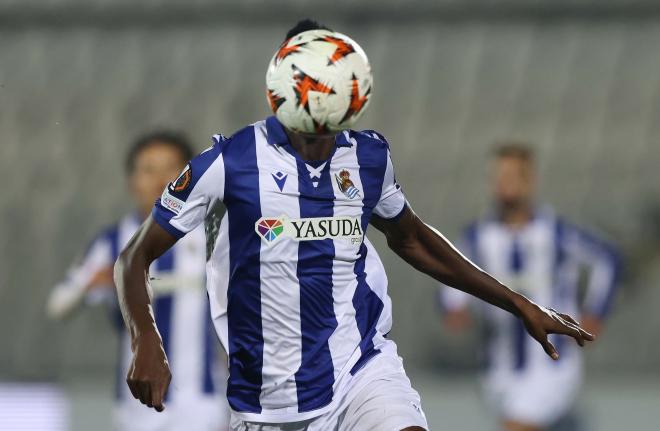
column 271, row 229
column 280, row 179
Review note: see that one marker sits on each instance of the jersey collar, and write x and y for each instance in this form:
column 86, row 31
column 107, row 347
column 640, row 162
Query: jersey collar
column 277, row 136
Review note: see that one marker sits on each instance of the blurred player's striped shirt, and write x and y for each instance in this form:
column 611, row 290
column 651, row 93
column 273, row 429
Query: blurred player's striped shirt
column 180, row 307
column 298, row 295
column 547, row 261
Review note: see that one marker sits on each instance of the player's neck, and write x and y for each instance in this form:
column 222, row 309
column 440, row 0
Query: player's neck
column 311, row 147
column 517, row 216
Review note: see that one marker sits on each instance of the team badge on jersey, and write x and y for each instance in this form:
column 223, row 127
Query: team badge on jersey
column 271, row 229
column 346, row 185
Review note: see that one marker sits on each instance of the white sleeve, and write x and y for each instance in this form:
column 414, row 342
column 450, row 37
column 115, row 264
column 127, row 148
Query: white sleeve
column 452, row 299
column 67, row 295
column 185, row 201
column 392, row 200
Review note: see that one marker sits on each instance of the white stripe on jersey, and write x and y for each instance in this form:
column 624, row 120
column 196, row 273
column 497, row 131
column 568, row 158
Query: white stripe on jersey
column 282, row 342
column 346, row 338
column 377, row 281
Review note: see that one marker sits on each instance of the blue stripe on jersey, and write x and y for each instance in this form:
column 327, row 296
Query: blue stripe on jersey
column 111, row 236
column 516, row 264
column 208, row 385
column 162, row 216
column 560, row 289
column 246, row 342
column 315, row 377
column 372, row 158
column 120, row 378
column 162, row 304
column 471, row 242
column 608, row 253
column 368, row 307
column 615, row 261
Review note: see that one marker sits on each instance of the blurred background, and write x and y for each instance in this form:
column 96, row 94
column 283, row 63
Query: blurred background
column 580, row 80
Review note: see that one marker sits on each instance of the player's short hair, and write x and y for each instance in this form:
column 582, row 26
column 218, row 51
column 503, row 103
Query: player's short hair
column 514, row 149
column 174, row 139
column 305, row 25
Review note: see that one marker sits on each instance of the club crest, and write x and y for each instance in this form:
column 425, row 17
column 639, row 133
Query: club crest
column 346, row 184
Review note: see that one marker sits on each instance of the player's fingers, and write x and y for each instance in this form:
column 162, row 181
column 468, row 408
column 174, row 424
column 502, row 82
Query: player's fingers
column 585, row 335
column 133, row 388
column 147, row 394
column 158, row 394
column 143, row 392
column 157, row 399
column 571, row 330
column 549, row 348
column 569, row 318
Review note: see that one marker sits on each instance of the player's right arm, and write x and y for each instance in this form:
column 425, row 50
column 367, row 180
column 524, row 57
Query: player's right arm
column 149, row 375
column 182, row 207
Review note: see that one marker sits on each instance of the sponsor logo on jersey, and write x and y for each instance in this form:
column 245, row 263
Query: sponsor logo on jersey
column 346, row 184
column 170, row 202
column 280, row 179
column 270, row 229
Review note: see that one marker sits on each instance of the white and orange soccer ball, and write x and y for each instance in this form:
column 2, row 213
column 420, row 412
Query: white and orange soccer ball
column 319, row 81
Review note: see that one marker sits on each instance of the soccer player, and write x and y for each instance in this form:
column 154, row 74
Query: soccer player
column 180, row 304
column 540, row 255
column 299, row 298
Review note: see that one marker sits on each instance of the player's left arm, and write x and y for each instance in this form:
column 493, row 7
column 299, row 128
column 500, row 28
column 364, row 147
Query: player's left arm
column 428, row 251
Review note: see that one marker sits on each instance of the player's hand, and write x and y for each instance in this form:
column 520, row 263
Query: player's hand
column 592, row 324
column 541, row 321
column 149, row 374
column 457, row 320
column 102, row 279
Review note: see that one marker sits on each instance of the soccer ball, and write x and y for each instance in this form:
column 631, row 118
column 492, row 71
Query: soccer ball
column 319, row 81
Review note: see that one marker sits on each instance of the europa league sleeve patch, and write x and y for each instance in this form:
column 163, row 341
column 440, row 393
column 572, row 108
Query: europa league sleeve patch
column 182, row 183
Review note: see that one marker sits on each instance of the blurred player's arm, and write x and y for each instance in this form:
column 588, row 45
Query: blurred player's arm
column 453, row 304
column 603, row 262
column 428, row 251
column 89, row 280
column 454, row 307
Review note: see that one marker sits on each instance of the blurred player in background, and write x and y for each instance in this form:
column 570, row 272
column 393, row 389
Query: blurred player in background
column 534, row 251
column 196, row 401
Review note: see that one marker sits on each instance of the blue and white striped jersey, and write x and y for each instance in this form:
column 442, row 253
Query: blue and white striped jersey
column 546, row 260
column 180, row 307
column 298, row 294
